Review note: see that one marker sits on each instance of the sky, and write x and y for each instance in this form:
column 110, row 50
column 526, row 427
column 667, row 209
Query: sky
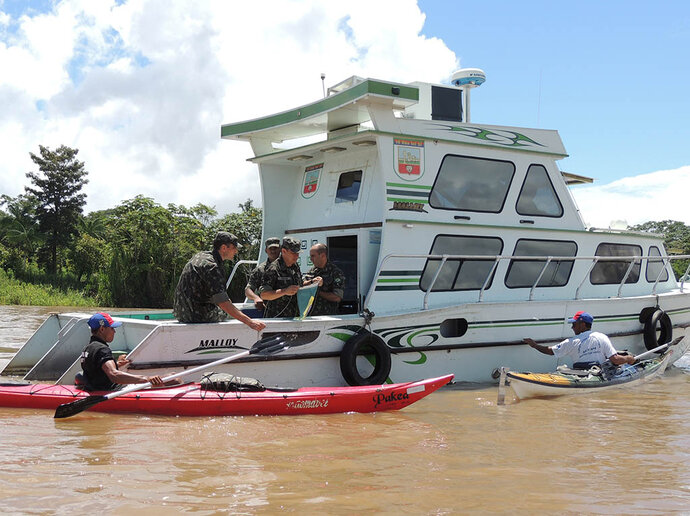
column 142, row 88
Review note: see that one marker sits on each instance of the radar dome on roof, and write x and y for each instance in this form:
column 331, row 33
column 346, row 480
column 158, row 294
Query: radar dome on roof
column 468, row 77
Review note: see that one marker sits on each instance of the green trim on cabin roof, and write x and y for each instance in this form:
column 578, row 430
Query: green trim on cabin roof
column 368, row 87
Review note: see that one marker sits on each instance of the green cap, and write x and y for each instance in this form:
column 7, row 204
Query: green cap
column 291, row 244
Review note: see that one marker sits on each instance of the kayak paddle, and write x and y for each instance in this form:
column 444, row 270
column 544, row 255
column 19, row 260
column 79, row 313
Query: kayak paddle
column 658, row 348
column 265, row 346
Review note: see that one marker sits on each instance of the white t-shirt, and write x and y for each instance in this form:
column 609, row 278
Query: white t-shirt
column 588, row 346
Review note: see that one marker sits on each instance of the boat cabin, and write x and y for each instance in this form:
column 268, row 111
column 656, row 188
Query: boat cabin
column 413, row 200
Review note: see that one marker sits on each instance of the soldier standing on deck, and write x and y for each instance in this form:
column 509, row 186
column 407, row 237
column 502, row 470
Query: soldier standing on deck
column 282, row 280
column 332, row 289
column 257, row 274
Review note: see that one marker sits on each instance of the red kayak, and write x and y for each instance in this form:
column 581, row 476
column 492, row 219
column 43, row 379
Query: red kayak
column 192, row 400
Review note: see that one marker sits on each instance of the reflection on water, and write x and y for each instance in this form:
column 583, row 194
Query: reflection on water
column 622, row 451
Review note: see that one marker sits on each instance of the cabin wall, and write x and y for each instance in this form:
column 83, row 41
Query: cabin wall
column 300, row 201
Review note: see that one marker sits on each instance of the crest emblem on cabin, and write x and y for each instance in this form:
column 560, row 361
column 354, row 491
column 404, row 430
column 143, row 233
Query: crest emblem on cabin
column 311, row 180
column 409, row 158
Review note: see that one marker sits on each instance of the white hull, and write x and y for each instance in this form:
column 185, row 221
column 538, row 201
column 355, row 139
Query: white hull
column 418, row 347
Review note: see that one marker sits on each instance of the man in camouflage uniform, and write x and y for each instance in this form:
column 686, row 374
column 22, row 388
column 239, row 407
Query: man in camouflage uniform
column 257, row 274
column 333, row 287
column 200, row 295
column 282, row 280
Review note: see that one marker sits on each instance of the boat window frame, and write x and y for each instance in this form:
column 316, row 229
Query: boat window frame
column 459, row 267
column 438, row 177
column 663, row 278
column 553, row 189
column 626, row 264
column 345, row 202
column 512, row 262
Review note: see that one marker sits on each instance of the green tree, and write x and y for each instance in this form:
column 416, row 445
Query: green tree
column 140, row 233
column 246, row 225
column 88, row 255
column 19, row 230
column 57, row 189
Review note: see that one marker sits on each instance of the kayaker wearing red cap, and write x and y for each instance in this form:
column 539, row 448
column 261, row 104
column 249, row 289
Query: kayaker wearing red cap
column 101, row 373
column 586, row 348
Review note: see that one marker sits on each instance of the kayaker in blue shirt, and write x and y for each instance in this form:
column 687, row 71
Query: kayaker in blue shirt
column 586, row 348
column 100, row 370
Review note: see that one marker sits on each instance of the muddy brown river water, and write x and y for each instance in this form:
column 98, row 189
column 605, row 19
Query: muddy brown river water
column 622, row 451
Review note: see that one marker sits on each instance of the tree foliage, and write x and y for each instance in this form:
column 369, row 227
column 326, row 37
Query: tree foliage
column 59, row 201
column 246, row 226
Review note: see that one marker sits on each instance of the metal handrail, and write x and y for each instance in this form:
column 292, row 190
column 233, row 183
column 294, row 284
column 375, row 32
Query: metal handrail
column 635, row 259
column 227, row 285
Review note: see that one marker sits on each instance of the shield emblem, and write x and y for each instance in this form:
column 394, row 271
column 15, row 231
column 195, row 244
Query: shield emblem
column 311, row 180
column 409, row 158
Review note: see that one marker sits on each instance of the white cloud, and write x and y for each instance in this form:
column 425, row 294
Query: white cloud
column 661, row 195
column 142, row 88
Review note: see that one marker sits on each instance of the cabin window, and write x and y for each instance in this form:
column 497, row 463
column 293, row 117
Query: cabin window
column 349, row 184
column 460, row 274
column 654, row 267
column 612, row 272
column 523, row 273
column 537, row 197
column 471, row 184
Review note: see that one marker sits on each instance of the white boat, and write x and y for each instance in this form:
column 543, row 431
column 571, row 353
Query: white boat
column 457, row 240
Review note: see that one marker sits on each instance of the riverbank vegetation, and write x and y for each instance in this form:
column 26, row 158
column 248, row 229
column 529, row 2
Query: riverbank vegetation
column 51, row 253
column 130, row 255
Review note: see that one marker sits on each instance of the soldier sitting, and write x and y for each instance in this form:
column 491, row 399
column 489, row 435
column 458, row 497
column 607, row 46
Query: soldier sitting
column 200, row 295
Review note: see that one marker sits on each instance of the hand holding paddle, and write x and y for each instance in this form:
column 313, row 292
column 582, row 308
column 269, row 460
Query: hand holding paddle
column 265, row 346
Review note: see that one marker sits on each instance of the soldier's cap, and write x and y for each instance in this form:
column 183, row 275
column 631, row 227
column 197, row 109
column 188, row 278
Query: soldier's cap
column 223, row 237
column 291, row 244
column 102, row 319
column 272, row 242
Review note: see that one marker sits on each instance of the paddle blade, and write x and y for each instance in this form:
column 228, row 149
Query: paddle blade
column 282, row 341
column 75, row 407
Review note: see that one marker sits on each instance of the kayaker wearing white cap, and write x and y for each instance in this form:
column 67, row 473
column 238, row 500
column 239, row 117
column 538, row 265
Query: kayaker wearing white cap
column 586, row 348
column 100, row 371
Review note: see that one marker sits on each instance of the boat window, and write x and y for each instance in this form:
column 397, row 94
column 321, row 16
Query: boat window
column 453, row 328
column 460, row 274
column 654, row 267
column 523, row 273
column 348, row 186
column 471, row 184
column 537, row 197
column 612, row 272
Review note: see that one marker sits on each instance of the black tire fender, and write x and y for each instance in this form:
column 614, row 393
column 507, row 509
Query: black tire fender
column 661, row 319
column 365, row 343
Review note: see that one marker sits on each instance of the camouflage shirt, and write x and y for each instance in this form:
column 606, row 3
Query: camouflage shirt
column 277, row 276
column 255, row 277
column 200, row 289
column 333, row 281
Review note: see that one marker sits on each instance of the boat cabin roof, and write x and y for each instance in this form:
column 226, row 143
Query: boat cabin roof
column 345, row 108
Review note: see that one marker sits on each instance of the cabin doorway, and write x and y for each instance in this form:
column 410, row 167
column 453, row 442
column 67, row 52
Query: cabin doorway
column 342, row 251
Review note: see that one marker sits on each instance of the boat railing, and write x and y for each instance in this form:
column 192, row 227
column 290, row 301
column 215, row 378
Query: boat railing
column 497, row 259
column 234, row 269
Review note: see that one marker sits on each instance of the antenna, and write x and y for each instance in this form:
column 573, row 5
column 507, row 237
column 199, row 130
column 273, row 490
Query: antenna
column 323, row 84
column 466, row 79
